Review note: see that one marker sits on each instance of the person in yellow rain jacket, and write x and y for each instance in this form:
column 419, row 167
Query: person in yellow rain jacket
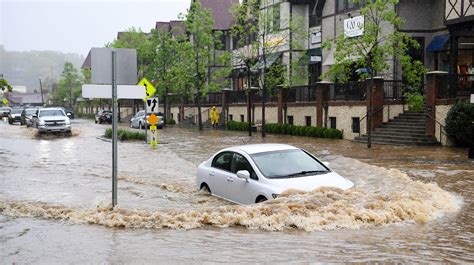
column 214, row 117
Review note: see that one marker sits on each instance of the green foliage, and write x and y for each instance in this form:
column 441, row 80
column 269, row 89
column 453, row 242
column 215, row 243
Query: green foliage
column 307, row 131
column 82, row 115
column 459, row 121
column 5, row 88
column 376, row 47
column 125, row 135
column 415, row 101
column 171, row 122
column 237, row 126
column 69, row 87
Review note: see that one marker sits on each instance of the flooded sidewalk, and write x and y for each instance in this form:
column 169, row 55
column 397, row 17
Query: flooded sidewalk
column 410, row 204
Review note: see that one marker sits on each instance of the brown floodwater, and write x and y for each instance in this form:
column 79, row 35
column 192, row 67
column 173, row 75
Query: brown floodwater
column 410, row 204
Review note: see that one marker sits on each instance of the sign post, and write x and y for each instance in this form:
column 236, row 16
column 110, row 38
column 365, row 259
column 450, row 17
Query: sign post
column 153, row 119
column 114, row 130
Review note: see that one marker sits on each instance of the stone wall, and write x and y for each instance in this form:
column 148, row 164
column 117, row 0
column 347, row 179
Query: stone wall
column 299, row 114
column 344, row 115
column 441, row 114
column 393, row 110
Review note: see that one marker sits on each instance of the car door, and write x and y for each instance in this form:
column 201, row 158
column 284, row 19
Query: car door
column 220, row 174
column 242, row 190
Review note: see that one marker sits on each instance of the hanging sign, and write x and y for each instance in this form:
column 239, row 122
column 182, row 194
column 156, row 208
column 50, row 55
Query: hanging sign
column 354, row 27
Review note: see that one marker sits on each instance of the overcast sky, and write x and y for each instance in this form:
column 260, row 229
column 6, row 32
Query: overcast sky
column 77, row 25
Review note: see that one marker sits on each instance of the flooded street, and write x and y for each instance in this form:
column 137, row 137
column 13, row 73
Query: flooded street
column 410, row 204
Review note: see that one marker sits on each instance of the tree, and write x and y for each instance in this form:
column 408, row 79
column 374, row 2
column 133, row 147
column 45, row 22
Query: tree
column 374, row 49
column 69, row 86
column 5, row 88
column 259, row 34
column 199, row 24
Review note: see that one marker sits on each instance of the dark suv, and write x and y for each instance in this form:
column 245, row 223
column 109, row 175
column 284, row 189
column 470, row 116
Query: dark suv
column 103, row 116
column 15, row 115
column 4, row 112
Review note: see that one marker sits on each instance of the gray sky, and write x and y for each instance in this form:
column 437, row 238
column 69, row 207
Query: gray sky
column 77, row 25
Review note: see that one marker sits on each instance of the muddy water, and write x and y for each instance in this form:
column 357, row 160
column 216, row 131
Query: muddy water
column 409, row 204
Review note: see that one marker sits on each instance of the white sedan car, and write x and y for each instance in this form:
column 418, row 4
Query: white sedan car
column 255, row 173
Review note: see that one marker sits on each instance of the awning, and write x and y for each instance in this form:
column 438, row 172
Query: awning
column 270, row 59
column 437, row 44
column 314, row 55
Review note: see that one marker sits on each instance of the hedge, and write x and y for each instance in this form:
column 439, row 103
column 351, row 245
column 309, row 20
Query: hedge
column 85, row 115
column 458, row 123
column 237, row 126
column 308, row 131
column 277, row 128
column 124, row 135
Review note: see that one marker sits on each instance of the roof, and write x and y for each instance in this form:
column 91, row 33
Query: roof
column 221, row 11
column 26, row 98
column 87, row 62
column 262, row 148
column 162, row 25
column 177, row 27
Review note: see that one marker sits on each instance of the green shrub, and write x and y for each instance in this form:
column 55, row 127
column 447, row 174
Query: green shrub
column 458, row 123
column 415, row 101
column 237, row 126
column 171, row 122
column 125, row 135
column 85, row 115
column 303, row 131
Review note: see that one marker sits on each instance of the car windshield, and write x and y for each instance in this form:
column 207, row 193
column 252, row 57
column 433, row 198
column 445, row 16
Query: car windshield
column 16, row 111
column 288, row 164
column 30, row 111
column 54, row 112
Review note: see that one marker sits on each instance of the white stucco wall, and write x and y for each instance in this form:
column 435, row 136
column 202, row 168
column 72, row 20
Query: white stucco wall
column 395, row 110
column 441, row 114
column 299, row 114
column 344, row 115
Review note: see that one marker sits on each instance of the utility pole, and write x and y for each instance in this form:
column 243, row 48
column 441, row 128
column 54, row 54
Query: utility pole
column 41, row 90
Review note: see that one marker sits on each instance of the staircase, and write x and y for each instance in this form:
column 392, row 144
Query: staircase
column 406, row 129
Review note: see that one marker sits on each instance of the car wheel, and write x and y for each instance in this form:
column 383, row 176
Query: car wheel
column 95, row 121
column 140, row 125
column 206, row 188
column 100, row 121
column 10, row 121
column 260, row 199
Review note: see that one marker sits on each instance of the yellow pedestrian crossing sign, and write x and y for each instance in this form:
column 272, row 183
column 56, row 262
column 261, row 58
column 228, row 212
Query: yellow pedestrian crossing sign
column 150, row 88
column 153, row 136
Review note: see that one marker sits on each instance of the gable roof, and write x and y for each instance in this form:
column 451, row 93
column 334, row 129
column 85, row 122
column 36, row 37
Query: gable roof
column 221, row 11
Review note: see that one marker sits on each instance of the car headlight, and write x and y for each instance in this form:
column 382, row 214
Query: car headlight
column 68, row 122
column 41, row 122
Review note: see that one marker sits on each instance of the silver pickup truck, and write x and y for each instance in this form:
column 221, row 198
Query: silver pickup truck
column 51, row 120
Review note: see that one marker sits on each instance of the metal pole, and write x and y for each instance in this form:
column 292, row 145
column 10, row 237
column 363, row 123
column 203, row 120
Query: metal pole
column 41, row 89
column 369, row 114
column 114, row 131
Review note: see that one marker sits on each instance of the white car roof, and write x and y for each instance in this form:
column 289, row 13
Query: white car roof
column 262, row 148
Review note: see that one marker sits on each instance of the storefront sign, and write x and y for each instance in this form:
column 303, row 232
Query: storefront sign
column 316, row 58
column 354, row 27
column 316, row 37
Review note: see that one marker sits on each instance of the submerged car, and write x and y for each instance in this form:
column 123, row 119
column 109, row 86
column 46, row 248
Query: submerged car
column 27, row 116
column 51, row 120
column 255, row 173
column 140, row 121
column 15, row 115
column 4, row 111
column 103, row 116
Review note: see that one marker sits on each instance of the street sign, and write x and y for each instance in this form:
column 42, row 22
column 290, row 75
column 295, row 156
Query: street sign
column 150, row 88
column 105, row 91
column 153, row 119
column 98, row 60
column 153, row 136
column 152, row 105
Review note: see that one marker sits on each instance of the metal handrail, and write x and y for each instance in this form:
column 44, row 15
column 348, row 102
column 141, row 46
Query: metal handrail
column 441, row 127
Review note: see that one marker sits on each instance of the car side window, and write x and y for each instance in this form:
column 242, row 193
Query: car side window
column 239, row 162
column 223, row 161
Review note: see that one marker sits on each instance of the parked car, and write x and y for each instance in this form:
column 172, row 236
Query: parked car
column 4, row 111
column 15, row 115
column 103, row 116
column 51, row 120
column 139, row 121
column 27, row 116
column 256, row 173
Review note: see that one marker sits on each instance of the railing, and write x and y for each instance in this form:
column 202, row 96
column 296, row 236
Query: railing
column 212, row 98
column 351, row 91
column 236, row 97
column 301, row 94
column 272, row 96
column 442, row 130
column 456, row 86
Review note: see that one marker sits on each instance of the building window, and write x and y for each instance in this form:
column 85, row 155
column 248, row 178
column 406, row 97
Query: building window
column 316, row 13
column 242, row 118
column 275, row 18
column 355, row 124
column 290, row 120
column 308, row 120
column 345, row 5
column 332, row 122
column 231, row 117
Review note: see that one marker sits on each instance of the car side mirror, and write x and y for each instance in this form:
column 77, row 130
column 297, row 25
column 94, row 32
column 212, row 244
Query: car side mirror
column 34, row 116
column 326, row 164
column 243, row 174
column 68, row 114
